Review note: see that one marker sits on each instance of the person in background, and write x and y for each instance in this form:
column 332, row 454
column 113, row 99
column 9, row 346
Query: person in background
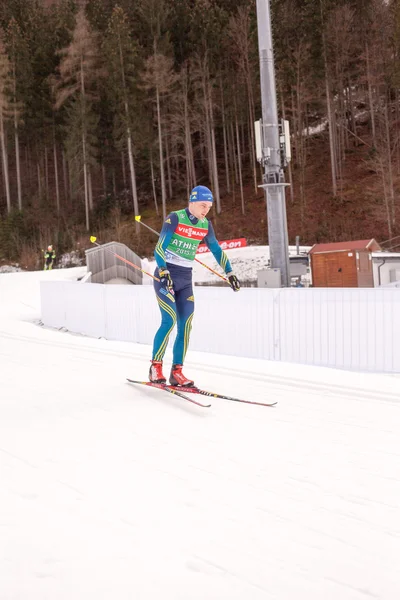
column 182, row 232
column 49, row 258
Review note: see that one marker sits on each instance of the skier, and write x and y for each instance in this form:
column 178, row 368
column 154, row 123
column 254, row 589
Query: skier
column 49, row 258
column 182, row 232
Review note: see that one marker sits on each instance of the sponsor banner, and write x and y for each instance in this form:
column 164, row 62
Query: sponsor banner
column 227, row 245
column 191, row 232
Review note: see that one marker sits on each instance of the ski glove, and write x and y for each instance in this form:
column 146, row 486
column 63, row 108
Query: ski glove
column 166, row 281
column 234, row 282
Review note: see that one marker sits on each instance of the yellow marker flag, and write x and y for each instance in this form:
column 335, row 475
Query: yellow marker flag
column 138, row 218
column 93, row 239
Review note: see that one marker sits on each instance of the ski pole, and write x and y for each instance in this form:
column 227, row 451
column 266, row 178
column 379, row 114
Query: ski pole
column 93, row 240
column 138, row 219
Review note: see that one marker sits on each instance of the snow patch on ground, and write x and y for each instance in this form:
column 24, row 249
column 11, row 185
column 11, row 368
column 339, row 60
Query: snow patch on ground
column 10, row 269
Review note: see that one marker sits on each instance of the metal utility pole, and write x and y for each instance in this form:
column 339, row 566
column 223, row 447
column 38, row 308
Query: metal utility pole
column 272, row 152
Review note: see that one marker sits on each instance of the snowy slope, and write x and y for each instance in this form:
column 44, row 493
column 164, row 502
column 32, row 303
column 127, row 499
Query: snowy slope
column 117, row 493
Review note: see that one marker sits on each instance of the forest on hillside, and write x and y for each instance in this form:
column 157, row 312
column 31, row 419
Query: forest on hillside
column 113, row 109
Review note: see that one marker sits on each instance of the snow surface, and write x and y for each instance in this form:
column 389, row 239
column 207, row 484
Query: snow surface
column 115, row 492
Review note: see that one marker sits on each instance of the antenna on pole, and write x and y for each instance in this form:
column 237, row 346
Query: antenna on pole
column 272, row 148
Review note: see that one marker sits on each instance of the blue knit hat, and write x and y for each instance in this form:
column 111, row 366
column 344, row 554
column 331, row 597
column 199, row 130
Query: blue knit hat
column 201, row 193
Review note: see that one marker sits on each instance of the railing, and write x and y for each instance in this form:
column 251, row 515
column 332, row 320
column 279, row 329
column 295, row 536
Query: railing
column 104, row 266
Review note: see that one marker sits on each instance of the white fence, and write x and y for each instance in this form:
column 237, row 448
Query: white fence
column 343, row 327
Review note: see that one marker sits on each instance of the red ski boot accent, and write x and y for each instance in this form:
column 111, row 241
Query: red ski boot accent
column 178, row 378
column 155, row 373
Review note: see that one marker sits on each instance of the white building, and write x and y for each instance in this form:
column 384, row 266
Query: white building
column 386, row 268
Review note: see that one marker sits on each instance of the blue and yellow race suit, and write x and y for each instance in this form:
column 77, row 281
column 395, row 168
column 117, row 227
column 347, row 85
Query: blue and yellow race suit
column 176, row 249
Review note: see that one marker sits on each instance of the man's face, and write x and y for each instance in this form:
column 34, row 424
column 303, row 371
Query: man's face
column 200, row 209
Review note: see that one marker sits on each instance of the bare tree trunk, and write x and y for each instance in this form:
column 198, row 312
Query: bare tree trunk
column 214, row 162
column 226, row 159
column 188, row 181
column 168, row 167
column 84, row 151
column 39, row 181
column 208, row 130
column 253, row 160
column 90, row 188
column 244, row 138
column 295, row 125
column 5, row 162
column 352, row 113
column 28, row 169
column 301, row 150
column 114, row 183
column 104, row 178
column 175, row 158
column 72, row 193
column 65, row 177
column 85, row 180
column 332, row 132
column 370, row 96
column 46, row 171
column 133, row 176
column 129, row 142
column 389, row 165
column 345, row 118
column 17, row 161
column 123, row 169
column 250, row 99
column 202, row 147
column 397, row 145
column 16, row 138
column 56, row 177
column 239, row 161
column 233, row 152
column 331, row 120
column 153, row 185
column 386, row 199
column 162, row 173
column 210, row 134
column 191, row 172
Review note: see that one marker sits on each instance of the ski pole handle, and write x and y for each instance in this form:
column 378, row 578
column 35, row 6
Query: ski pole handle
column 138, row 219
column 128, row 262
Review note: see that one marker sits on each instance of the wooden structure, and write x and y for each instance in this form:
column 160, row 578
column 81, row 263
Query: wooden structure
column 343, row 264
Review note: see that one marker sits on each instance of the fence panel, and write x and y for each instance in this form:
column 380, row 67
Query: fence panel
column 345, row 328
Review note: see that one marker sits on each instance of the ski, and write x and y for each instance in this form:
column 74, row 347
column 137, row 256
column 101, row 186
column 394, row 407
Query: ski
column 171, row 390
column 195, row 390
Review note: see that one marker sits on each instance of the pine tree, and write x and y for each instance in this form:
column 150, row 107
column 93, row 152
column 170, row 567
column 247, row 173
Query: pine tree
column 79, row 73
column 159, row 79
column 121, row 55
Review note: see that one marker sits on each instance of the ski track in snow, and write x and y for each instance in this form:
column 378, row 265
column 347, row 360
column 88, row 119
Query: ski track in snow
column 114, row 491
